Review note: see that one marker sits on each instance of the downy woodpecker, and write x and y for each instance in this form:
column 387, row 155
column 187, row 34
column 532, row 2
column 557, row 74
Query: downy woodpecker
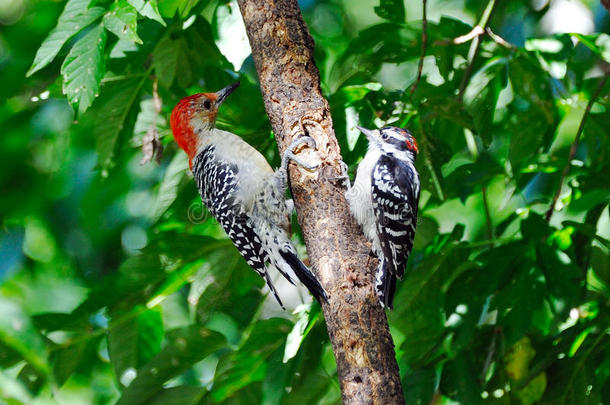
column 384, row 202
column 241, row 190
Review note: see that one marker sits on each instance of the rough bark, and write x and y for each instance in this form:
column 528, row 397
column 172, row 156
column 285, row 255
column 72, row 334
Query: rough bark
column 338, row 252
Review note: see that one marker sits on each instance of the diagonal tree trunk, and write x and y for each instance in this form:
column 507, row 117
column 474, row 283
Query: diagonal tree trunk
column 283, row 52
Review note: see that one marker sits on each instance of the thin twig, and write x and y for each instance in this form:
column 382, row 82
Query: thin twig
column 474, row 47
column 475, row 32
column 499, row 40
column 424, row 44
column 574, row 146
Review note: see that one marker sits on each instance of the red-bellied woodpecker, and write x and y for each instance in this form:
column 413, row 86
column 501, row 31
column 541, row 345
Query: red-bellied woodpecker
column 384, row 200
column 241, row 190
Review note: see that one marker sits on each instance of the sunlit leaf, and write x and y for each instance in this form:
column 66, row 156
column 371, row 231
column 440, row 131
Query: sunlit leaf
column 122, row 20
column 148, row 8
column 83, row 69
column 18, row 333
column 113, row 116
column 76, row 16
column 307, row 316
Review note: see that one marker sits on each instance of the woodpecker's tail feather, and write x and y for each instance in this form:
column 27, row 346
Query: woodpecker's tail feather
column 273, row 290
column 385, row 285
column 304, row 275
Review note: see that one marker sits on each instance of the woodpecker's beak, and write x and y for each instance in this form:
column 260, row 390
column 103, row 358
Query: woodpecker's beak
column 370, row 134
column 222, row 94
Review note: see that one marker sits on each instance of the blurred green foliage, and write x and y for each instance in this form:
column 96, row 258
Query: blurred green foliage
column 116, row 285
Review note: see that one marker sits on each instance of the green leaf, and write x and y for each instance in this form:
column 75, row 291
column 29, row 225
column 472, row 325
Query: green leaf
column 122, row 21
column 185, row 347
column 83, row 69
column 418, row 312
column 393, row 10
column 535, row 228
column 564, row 278
column 169, row 8
column 148, row 8
column 600, row 261
column 518, row 301
column 31, row 378
column 181, row 395
column 419, row 385
column 8, row 356
column 459, row 380
column 165, row 60
column 66, row 360
column 307, row 316
column 38, row 243
column 248, row 364
column 374, row 46
column 76, row 16
column 18, row 333
column 168, row 190
column 533, row 116
column 572, row 381
column 482, row 93
column 150, row 334
column 123, row 347
column 113, row 115
column 598, row 43
column 133, row 339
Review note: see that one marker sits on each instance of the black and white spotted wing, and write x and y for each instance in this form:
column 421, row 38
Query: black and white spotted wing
column 217, row 184
column 395, row 195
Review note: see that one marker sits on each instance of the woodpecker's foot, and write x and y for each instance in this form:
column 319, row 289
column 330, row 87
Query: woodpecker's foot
column 344, row 176
column 290, row 155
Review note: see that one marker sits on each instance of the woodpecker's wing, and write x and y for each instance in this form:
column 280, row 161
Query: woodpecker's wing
column 395, row 195
column 217, row 184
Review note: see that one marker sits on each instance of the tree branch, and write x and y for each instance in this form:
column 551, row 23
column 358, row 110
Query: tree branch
column 574, row 146
column 283, row 53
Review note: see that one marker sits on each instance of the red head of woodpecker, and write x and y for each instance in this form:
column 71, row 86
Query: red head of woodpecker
column 195, row 116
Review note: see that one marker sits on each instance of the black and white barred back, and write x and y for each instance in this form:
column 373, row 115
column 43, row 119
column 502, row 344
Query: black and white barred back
column 395, row 196
column 259, row 233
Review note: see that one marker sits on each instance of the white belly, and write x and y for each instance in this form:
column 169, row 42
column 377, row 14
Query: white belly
column 360, row 200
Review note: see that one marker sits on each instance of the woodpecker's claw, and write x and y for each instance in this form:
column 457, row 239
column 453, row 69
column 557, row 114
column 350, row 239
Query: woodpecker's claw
column 344, row 176
column 311, row 143
column 301, row 139
column 290, row 155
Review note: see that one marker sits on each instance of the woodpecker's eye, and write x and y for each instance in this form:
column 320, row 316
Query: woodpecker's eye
column 207, row 105
column 384, row 136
